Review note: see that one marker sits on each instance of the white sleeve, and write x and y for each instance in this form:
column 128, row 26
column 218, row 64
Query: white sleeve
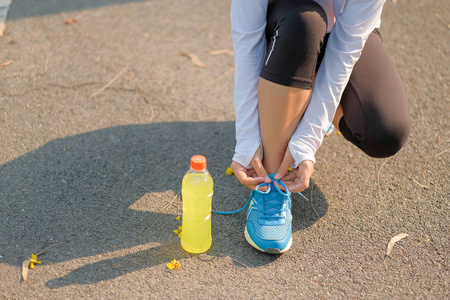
column 353, row 26
column 248, row 23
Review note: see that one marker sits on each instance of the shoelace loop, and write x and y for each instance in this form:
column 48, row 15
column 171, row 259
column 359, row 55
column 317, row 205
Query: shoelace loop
column 250, row 198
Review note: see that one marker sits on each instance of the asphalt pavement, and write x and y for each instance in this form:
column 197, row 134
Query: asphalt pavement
column 102, row 105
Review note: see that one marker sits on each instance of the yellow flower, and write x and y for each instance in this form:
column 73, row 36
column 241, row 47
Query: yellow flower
column 229, row 171
column 290, row 169
column 173, row 265
column 178, row 231
column 177, row 218
column 33, row 261
column 338, row 133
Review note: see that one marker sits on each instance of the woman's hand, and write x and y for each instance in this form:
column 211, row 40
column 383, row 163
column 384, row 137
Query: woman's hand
column 298, row 179
column 251, row 177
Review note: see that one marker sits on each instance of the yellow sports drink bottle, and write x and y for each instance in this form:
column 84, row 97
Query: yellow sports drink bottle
column 197, row 192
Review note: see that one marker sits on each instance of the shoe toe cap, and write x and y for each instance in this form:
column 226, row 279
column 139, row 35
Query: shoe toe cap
column 269, row 237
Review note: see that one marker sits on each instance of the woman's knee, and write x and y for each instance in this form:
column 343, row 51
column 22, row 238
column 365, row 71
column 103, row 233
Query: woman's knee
column 307, row 24
column 385, row 140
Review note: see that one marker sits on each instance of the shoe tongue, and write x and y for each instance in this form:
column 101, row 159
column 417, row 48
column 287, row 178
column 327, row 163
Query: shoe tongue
column 275, row 200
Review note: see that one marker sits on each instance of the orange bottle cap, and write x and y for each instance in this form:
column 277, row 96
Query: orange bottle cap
column 198, row 162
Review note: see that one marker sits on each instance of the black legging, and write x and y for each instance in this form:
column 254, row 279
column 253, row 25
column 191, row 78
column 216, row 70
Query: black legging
column 376, row 114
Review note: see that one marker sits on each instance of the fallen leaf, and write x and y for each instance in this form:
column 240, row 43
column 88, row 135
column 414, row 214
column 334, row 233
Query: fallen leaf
column 394, row 240
column 25, row 265
column 2, row 28
column 221, row 51
column 194, row 59
column 173, row 265
column 71, row 21
column 29, row 263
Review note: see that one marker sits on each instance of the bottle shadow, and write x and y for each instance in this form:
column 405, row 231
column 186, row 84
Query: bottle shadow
column 110, row 190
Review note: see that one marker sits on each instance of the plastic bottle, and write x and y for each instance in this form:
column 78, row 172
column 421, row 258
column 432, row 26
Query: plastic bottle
column 197, row 192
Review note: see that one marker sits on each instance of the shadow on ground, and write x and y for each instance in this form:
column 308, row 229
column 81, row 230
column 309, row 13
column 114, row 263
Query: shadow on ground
column 30, row 8
column 95, row 192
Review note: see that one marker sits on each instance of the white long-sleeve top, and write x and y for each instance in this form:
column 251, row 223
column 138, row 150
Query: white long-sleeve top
column 350, row 23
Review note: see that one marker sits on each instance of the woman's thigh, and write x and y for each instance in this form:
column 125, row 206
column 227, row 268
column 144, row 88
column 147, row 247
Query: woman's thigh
column 376, row 114
column 295, row 34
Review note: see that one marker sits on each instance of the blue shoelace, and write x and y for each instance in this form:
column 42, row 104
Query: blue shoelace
column 274, row 205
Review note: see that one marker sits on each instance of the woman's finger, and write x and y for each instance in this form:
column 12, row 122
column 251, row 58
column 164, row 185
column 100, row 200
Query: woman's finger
column 257, row 165
column 246, row 180
column 285, row 164
column 289, row 176
column 296, row 186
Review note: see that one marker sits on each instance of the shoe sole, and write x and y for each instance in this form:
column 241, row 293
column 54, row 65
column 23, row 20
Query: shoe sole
column 268, row 250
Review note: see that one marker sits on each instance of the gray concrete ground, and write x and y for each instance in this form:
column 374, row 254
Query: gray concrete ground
column 90, row 174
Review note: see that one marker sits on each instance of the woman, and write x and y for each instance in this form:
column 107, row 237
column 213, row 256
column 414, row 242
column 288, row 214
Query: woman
column 302, row 65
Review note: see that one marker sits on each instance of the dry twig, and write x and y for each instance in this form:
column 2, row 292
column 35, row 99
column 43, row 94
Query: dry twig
column 445, row 151
column 230, row 226
column 222, row 76
column 421, row 185
column 46, row 59
column 423, row 3
column 241, row 263
column 194, row 59
column 6, row 63
column 160, row 211
column 109, row 83
column 311, row 200
column 378, row 175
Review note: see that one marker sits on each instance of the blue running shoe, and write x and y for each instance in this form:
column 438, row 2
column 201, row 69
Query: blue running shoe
column 330, row 130
column 269, row 218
